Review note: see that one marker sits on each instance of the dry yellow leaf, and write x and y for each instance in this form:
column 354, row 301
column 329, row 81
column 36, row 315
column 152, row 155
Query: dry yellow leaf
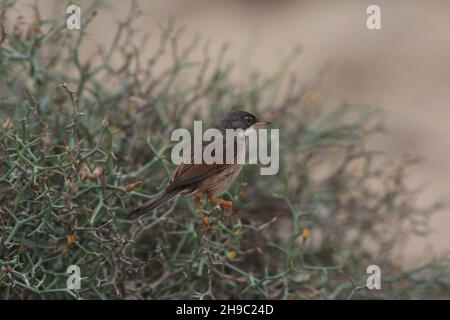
column 97, row 172
column 231, row 255
column 306, row 234
column 71, row 239
column 239, row 232
column 85, row 172
column 130, row 187
column 105, row 122
column 8, row 124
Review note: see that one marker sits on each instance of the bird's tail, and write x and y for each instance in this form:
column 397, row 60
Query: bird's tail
column 145, row 208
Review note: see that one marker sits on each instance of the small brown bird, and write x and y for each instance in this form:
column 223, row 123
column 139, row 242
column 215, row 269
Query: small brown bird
column 205, row 180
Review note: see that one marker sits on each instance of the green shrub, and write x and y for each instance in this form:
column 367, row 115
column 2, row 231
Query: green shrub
column 81, row 142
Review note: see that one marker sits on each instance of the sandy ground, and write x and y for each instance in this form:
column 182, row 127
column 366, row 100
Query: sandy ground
column 403, row 68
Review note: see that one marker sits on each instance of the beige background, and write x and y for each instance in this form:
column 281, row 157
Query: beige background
column 403, row 68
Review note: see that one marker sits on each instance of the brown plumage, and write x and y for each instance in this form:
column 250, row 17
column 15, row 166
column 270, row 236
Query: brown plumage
column 203, row 180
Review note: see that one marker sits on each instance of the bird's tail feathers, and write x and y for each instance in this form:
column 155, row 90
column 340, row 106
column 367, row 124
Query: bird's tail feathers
column 145, row 208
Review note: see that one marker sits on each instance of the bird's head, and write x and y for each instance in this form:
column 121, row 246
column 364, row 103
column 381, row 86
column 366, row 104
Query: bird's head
column 241, row 120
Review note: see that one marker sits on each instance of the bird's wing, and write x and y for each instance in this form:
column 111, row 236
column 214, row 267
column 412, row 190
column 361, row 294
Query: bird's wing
column 187, row 174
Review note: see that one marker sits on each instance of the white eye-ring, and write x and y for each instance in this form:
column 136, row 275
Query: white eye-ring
column 249, row 120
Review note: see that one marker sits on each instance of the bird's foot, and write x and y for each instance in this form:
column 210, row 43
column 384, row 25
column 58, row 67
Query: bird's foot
column 206, row 223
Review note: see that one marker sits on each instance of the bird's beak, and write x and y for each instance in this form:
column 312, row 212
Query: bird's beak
column 263, row 123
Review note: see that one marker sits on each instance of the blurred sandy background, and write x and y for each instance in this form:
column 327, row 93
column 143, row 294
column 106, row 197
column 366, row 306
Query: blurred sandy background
column 403, row 68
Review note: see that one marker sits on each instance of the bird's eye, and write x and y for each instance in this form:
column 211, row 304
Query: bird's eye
column 248, row 120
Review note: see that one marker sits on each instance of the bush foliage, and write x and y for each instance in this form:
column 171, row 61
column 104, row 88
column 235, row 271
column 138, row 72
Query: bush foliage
column 83, row 140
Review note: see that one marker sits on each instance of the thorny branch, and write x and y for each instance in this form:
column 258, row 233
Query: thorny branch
column 74, row 100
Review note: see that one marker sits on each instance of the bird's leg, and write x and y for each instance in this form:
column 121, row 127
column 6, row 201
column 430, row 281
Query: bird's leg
column 198, row 204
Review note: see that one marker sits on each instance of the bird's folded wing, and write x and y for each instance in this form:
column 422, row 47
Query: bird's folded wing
column 187, row 174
